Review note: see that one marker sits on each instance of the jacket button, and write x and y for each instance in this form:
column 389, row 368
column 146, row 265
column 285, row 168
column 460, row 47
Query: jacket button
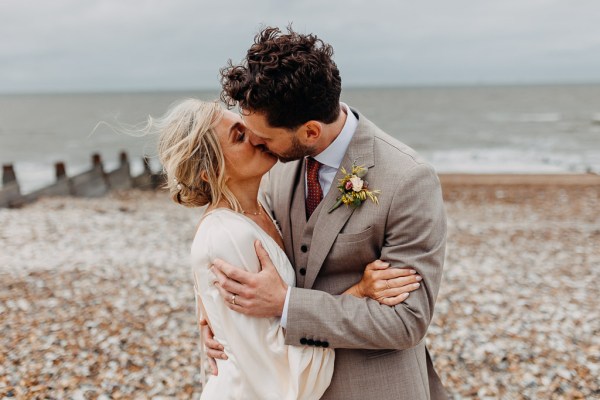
column 304, row 248
column 303, row 341
column 318, row 343
column 310, row 342
column 325, row 344
column 302, row 271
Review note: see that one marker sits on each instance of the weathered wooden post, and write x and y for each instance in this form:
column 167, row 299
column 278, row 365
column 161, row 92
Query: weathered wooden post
column 144, row 180
column 60, row 170
column 121, row 177
column 62, row 186
column 10, row 193
column 92, row 183
column 158, row 180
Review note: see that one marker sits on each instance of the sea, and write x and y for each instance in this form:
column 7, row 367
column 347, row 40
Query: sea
column 469, row 129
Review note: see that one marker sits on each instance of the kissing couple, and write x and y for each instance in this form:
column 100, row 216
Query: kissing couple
column 318, row 259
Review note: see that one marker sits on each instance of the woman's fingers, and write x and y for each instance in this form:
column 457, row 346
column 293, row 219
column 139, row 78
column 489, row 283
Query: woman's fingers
column 391, row 273
column 214, row 349
column 212, row 352
column 386, row 287
column 394, row 301
column 402, row 281
column 377, row 265
column 397, row 291
column 213, row 366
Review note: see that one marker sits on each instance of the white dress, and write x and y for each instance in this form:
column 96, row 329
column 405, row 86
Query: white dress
column 260, row 366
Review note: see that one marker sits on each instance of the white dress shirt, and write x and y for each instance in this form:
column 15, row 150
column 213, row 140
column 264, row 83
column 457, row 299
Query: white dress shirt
column 331, row 158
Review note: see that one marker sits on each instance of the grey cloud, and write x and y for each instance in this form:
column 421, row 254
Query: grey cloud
column 110, row 45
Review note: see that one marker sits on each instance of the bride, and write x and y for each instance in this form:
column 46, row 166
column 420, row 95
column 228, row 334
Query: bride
column 209, row 161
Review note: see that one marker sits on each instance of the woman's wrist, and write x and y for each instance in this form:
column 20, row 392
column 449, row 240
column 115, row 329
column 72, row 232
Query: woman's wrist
column 355, row 290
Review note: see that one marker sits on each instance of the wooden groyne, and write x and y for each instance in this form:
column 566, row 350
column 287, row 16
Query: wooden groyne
column 96, row 181
column 92, row 183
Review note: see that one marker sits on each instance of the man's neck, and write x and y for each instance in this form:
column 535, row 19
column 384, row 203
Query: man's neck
column 331, row 131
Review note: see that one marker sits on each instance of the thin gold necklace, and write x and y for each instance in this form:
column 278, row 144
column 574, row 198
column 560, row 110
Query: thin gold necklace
column 259, row 212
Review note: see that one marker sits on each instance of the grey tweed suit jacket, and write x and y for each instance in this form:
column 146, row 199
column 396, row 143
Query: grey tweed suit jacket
column 380, row 350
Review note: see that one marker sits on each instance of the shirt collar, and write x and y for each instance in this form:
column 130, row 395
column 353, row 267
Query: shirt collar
column 333, row 155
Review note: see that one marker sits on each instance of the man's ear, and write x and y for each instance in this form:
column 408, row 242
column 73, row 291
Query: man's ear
column 311, row 131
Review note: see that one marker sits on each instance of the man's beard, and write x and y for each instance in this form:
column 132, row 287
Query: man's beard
column 296, row 151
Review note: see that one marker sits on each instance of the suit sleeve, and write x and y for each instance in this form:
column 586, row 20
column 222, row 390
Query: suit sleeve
column 415, row 236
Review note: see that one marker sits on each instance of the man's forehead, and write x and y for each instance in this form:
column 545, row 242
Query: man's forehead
column 253, row 119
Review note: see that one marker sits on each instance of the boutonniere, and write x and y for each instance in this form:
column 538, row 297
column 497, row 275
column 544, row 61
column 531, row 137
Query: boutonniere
column 354, row 189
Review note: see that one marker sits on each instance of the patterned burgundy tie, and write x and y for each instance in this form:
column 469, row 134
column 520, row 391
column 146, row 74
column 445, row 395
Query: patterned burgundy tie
column 315, row 193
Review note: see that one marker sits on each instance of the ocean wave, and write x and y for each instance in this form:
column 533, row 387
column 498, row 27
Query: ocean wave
column 524, row 117
column 507, row 160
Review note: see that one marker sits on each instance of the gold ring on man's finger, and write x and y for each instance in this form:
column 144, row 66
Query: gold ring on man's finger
column 233, row 299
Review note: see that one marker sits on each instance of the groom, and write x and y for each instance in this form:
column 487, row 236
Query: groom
column 288, row 89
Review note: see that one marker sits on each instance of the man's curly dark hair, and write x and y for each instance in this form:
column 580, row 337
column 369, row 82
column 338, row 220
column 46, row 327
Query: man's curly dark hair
column 290, row 77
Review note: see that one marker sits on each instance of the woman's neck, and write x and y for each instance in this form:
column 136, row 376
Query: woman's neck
column 246, row 194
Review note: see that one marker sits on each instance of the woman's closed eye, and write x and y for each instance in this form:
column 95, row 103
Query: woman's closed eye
column 237, row 133
column 241, row 136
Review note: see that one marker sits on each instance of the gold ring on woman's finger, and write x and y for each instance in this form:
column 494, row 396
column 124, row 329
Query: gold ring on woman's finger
column 233, row 299
column 387, row 285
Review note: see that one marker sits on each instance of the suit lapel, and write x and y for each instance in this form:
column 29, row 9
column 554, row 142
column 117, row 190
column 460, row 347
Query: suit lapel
column 288, row 177
column 328, row 225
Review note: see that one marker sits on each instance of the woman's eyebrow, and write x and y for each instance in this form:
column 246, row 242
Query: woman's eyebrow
column 233, row 128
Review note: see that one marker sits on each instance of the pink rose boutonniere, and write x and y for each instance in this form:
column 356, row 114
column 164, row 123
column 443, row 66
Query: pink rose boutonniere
column 354, row 189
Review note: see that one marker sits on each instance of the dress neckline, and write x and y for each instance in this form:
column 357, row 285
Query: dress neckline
column 248, row 219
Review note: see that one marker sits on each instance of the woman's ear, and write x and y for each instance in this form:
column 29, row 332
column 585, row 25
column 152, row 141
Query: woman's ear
column 204, row 176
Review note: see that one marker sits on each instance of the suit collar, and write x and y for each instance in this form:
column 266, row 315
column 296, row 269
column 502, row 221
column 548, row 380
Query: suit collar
column 289, row 179
column 333, row 155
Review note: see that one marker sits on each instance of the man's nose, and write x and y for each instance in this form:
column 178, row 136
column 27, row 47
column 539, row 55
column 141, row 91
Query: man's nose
column 255, row 140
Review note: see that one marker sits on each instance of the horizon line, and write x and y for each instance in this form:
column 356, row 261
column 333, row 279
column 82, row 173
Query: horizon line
column 441, row 85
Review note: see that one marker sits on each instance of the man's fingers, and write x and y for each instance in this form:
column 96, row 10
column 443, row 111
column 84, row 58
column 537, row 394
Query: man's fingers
column 234, row 273
column 228, row 284
column 240, row 305
column 225, row 294
column 263, row 256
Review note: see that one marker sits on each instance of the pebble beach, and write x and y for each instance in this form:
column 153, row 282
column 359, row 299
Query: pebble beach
column 96, row 300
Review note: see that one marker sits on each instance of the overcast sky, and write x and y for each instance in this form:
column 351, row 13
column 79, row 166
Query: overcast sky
column 79, row 45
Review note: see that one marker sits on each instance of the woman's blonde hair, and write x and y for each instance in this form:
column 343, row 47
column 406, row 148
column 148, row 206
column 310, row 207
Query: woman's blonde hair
column 191, row 155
